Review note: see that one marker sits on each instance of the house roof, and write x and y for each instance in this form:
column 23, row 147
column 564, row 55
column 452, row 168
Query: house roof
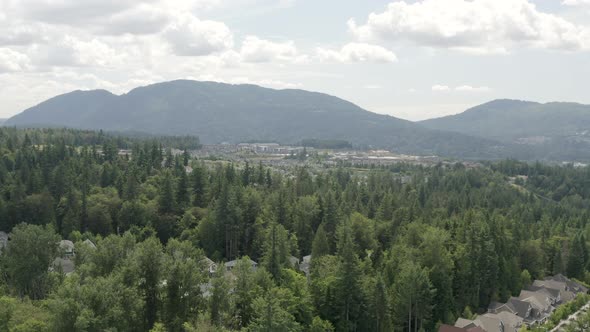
column 489, row 324
column 551, row 292
column 67, row 265
column 567, row 296
column 66, row 245
column 207, row 261
column 553, row 284
column 521, row 308
column 235, row 261
column 536, row 299
column 558, row 277
column 89, row 243
column 497, row 306
column 293, row 260
column 511, row 321
column 574, row 286
column 449, row 328
column 476, row 329
column 464, row 323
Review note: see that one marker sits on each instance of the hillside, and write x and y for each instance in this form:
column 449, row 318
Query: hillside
column 557, row 131
column 218, row 112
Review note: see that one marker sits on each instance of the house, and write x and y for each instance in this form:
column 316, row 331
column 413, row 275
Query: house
column 553, row 294
column 231, row 264
column 533, row 306
column 89, row 243
column 489, row 323
column 67, row 248
column 64, row 265
column 294, row 261
column 565, row 294
column 305, row 264
column 209, row 265
column 541, row 303
column 572, row 286
column 496, row 307
column 510, row 321
column 513, row 306
column 449, row 328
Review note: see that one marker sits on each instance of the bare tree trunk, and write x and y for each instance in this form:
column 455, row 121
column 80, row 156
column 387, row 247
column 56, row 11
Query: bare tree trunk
column 416, row 319
column 410, row 316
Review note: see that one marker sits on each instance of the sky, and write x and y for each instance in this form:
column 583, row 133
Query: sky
column 410, row 59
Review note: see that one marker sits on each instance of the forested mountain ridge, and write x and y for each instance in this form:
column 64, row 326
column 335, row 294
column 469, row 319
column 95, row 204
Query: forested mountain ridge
column 558, row 129
column 385, row 252
column 218, row 112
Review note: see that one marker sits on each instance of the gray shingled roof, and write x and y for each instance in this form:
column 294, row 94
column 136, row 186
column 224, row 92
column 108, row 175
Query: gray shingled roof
column 551, row 292
column 67, row 266
column 232, row 264
column 521, row 308
column 511, row 321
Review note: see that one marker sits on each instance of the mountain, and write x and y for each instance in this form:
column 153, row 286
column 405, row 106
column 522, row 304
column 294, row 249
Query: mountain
column 218, row 112
column 554, row 131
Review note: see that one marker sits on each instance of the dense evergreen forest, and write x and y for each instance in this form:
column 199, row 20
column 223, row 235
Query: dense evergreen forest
column 391, row 247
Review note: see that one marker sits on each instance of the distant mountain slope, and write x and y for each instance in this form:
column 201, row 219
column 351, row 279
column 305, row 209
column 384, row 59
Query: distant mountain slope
column 510, row 120
column 553, row 130
column 73, row 109
column 219, row 112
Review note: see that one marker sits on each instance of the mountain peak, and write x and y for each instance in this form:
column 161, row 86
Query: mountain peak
column 503, row 104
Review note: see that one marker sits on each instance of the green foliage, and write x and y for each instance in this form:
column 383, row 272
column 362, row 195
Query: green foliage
column 16, row 315
column 391, row 247
column 28, row 256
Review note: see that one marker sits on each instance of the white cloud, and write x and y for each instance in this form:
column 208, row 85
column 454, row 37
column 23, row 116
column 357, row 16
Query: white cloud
column 357, row 52
column 140, row 20
column 70, row 12
column 255, row 49
column 575, row 2
column 461, row 88
column 13, row 33
column 469, row 88
column 190, row 36
column 12, row 61
column 109, row 17
column 270, row 83
column 477, row 26
column 440, row 88
column 72, row 51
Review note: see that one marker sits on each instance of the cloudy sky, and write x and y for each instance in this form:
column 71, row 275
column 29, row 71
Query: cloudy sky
column 410, row 59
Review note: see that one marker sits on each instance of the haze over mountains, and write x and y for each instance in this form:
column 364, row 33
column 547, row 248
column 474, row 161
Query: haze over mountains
column 551, row 131
column 218, row 112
